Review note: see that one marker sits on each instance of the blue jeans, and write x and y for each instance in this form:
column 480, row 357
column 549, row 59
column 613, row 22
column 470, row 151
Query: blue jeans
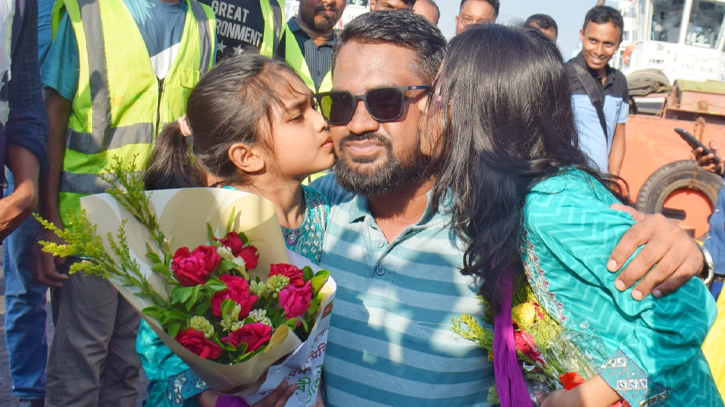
column 25, row 313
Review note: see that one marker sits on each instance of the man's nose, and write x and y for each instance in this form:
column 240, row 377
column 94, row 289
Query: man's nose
column 362, row 122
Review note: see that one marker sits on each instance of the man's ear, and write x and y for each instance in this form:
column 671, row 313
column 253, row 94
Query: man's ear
column 581, row 35
column 372, row 5
column 246, row 158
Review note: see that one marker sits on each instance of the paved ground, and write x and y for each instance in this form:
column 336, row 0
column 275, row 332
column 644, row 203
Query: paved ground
column 7, row 399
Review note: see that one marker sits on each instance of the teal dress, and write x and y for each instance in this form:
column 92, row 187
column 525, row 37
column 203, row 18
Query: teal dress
column 171, row 382
column 650, row 349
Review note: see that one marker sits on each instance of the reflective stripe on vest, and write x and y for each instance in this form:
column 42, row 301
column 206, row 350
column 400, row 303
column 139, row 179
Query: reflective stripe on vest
column 120, row 105
column 295, row 59
column 275, row 23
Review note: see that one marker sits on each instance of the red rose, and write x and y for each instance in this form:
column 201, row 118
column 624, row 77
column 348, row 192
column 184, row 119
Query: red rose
column 194, row 268
column 525, row 344
column 294, row 274
column 238, row 291
column 296, row 300
column 233, row 242
column 198, row 344
column 249, row 255
column 254, row 335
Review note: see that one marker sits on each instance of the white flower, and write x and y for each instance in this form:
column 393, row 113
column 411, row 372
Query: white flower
column 225, row 253
column 260, row 315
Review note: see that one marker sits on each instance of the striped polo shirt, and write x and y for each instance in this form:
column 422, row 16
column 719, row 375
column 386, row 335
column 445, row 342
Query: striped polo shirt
column 390, row 340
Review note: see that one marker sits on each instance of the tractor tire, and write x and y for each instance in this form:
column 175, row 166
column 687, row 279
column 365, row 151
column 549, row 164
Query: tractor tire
column 685, row 174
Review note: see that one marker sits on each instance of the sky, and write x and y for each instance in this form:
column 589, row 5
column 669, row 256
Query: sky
column 569, row 15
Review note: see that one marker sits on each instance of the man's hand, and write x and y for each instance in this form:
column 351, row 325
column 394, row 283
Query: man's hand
column 674, row 255
column 707, row 161
column 16, row 207
column 45, row 268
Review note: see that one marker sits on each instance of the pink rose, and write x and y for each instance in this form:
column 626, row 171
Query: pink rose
column 294, row 274
column 198, row 344
column 250, row 256
column 233, row 242
column 525, row 344
column 193, row 268
column 296, row 300
column 238, row 291
column 254, row 335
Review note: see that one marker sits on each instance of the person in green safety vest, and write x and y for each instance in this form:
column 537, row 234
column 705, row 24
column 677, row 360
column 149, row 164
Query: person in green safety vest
column 248, row 26
column 116, row 72
column 308, row 40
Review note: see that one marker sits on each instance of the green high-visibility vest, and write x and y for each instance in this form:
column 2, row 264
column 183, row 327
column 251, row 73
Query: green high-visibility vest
column 120, row 105
column 295, row 59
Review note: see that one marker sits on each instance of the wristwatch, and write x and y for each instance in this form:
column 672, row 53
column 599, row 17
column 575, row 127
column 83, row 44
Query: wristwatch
column 708, row 270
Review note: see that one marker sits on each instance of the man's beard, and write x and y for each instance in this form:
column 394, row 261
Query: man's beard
column 386, row 176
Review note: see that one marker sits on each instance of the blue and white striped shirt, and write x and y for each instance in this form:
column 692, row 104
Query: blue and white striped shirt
column 390, row 340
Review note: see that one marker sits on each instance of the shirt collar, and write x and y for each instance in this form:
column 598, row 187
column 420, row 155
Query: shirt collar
column 608, row 69
column 359, row 210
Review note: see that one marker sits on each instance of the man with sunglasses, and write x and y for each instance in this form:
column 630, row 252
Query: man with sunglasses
column 390, row 250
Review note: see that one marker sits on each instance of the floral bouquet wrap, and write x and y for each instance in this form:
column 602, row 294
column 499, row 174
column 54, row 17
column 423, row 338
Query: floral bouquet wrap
column 209, row 271
column 550, row 356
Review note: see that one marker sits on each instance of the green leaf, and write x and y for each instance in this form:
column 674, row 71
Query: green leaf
column 175, row 314
column 173, row 329
column 305, row 325
column 228, row 306
column 160, row 268
column 318, row 282
column 196, row 294
column 226, row 265
column 154, row 312
column 230, row 221
column 292, row 323
column 324, row 273
column 210, row 233
column 215, row 284
column 186, row 293
column 151, row 255
column 307, row 273
column 202, row 308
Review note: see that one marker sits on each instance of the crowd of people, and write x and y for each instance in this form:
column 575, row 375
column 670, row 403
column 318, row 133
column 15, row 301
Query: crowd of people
column 466, row 165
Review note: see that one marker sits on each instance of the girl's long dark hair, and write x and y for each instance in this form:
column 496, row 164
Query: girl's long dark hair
column 233, row 103
column 510, row 125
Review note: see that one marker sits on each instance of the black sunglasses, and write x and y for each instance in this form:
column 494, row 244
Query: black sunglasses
column 385, row 104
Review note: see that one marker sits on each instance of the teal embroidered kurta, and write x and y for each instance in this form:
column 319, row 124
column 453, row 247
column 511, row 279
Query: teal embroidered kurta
column 651, row 348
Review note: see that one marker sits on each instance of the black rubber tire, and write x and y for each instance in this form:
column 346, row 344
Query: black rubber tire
column 675, row 176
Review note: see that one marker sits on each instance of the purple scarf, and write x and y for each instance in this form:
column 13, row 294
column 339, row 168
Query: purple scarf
column 510, row 383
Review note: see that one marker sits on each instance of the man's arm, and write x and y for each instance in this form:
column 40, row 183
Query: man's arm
column 669, row 259
column 619, row 146
column 26, row 127
column 58, row 109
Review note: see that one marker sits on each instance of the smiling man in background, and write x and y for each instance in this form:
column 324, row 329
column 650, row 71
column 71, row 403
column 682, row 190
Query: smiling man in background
column 599, row 92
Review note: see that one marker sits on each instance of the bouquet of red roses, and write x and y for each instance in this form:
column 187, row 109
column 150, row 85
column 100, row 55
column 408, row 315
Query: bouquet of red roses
column 209, row 271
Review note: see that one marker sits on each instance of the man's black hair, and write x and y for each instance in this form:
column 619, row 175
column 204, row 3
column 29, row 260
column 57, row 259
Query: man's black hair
column 496, row 4
column 603, row 15
column 542, row 21
column 400, row 28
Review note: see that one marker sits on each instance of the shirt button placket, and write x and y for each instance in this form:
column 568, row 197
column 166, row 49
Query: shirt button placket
column 380, row 271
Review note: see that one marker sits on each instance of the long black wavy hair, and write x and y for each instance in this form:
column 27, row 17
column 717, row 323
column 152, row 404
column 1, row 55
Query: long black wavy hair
column 507, row 100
